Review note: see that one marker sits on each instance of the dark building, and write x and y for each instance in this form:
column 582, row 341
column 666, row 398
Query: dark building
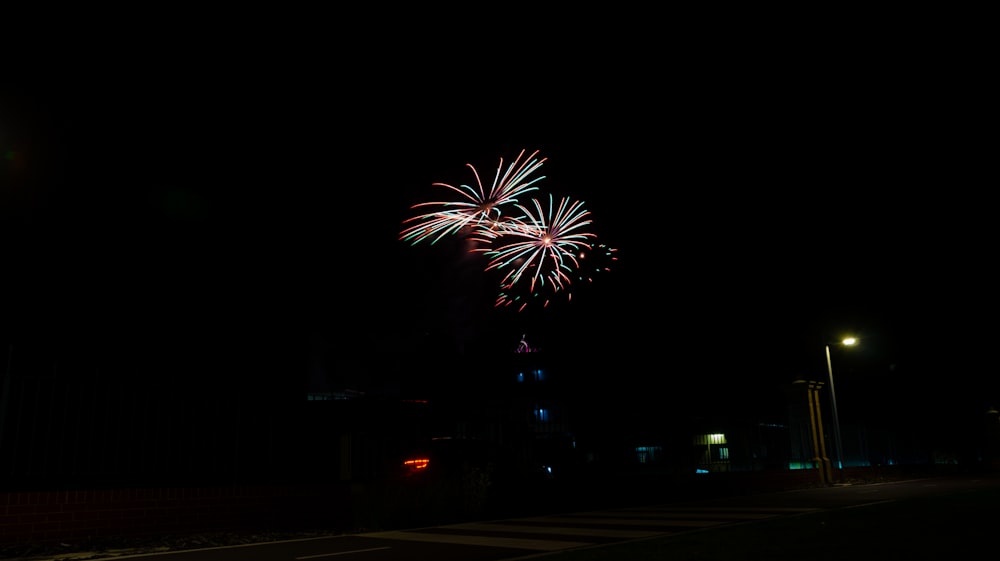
column 133, row 413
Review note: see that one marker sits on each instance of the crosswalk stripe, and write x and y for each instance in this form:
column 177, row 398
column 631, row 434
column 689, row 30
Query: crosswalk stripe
column 695, row 509
column 568, row 531
column 514, row 543
column 621, row 521
column 674, row 516
column 564, row 531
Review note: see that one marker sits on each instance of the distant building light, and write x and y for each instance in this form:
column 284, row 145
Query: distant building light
column 714, row 438
column 647, row 454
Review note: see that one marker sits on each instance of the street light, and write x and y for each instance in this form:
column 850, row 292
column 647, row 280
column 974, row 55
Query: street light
column 833, row 401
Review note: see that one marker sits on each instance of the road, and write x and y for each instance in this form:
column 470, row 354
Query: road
column 521, row 538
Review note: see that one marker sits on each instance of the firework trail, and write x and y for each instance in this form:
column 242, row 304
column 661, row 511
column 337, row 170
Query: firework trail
column 478, row 209
column 540, row 249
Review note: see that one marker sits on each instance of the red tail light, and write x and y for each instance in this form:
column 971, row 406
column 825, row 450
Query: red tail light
column 417, row 464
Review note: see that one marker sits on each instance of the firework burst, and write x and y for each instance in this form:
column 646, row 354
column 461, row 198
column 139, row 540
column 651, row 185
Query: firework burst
column 540, row 251
column 477, row 211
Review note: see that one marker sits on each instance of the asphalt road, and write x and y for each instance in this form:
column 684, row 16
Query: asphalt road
column 577, row 535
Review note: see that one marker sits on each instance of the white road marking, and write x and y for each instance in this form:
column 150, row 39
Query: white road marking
column 352, row 552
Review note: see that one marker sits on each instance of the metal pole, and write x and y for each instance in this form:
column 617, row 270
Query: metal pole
column 836, row 420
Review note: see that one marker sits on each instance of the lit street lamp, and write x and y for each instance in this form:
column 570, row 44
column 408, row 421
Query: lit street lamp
column 833, row 401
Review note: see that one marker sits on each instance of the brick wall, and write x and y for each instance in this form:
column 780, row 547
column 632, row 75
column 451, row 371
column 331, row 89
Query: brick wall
column 36, row 517
column 33, row 517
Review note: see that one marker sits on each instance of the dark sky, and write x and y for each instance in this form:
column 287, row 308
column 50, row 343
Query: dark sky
column 764, row 197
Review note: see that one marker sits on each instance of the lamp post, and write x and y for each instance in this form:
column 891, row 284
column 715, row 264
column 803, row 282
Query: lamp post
column 833, row 402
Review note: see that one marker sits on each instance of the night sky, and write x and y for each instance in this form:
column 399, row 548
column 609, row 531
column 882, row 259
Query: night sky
column 763, row 201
